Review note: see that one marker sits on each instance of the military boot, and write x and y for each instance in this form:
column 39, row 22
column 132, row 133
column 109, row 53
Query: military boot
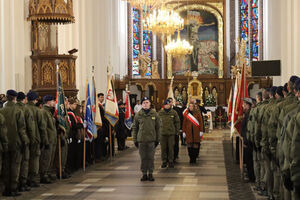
column 151, row 178
column 144, row 177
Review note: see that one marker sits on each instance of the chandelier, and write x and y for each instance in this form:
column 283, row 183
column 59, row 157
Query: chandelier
column 164, row 21
column 146, row 5
column 179, row 48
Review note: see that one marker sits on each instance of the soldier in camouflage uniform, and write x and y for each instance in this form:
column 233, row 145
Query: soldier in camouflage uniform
column 273, row 141
column 145, row 133
column 258, row 115
column 3, row 140
column 38, row 139
column 48, row 151
column 21, row 101
column 17, row 138
column 295, row 153
column 170, row 129
column 266, row 153
column 49, row 104
column 251, row 138
column 289, row 121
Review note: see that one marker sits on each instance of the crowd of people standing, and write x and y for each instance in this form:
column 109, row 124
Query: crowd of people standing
column 271, row 140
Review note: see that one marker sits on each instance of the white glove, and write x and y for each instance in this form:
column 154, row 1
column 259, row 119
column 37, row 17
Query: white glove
column 201, row 133
column 183, row 135
column 70, row 140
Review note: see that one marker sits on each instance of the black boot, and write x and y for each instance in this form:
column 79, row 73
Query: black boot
column 190, row 154
column 151, row 178
column 194, row 155
column 144, row 177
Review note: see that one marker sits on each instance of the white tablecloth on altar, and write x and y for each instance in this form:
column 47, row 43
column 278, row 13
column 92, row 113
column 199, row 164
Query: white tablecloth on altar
column 213, row 108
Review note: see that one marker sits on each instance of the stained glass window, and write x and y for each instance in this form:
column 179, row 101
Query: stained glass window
column 255, row 39
column 245, row 23
column 254, row 26
column 140, row 43
column 135, row 41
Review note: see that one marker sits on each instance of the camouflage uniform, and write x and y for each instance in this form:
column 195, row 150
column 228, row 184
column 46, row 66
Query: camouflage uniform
column 17, row 138
column 146, row 131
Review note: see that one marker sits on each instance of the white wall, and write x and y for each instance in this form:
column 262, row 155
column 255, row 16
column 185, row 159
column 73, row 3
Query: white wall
column 15, row 63
column 281, row 36
column 99, row 33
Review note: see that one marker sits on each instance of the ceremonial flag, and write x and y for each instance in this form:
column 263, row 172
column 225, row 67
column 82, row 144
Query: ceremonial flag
column 234, row 96
column 60, row 109
column 229, row 112
column 128, row 113
column 111, row 105
column 242, row 93
column 88, row 120
column 95, row 109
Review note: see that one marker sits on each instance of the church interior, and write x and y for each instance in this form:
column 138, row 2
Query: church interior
column 206, row 51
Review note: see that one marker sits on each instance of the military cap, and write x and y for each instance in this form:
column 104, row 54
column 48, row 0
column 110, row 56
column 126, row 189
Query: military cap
column 248, row 101
column 167, row 101
column 21, row 96
column 12, row 93
column 285, row 88
column 145, row 99
column 253, row 100
column 297, row 84
column 293, row 79
column 31, row 95
column 273, row 90
column 48, row 98
column 279, row 91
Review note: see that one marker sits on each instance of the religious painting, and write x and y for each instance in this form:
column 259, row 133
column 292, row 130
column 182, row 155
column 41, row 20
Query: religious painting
column 201, row 30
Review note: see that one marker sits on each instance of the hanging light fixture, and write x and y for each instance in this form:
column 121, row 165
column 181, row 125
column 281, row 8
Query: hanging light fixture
column 146, row 5
column 163, row 21
column 179, row 47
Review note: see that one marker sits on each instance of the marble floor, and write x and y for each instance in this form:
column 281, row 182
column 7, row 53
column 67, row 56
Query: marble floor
column 120, row 178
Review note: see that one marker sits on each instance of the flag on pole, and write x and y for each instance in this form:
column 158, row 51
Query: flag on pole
column 229, row 112
column 242, row 93
column 95, row 108
column 111, row 105
column 170, row 93
column 60, row 109
column 234, row 95
column 128, row 112
column 88, row 120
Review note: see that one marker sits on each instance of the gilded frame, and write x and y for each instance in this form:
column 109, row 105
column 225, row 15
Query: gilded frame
column 217, row 11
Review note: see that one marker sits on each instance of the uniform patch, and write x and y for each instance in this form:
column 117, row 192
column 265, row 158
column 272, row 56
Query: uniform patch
column 153, row 118
column 172, row 115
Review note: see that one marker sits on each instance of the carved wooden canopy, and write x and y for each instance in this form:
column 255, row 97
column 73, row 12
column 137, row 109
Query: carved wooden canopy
column 51, row 11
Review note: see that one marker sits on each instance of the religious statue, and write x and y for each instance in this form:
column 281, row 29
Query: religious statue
column 184, row 95
column 206, row 93
column 176, row 93
column 144, row 61
column 215, row 94
column 155, row 73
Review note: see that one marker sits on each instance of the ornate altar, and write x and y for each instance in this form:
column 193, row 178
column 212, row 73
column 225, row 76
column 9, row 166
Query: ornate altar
column 44, row 16
column 195, row 90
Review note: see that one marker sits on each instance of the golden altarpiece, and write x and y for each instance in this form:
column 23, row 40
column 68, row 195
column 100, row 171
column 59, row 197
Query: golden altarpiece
column 201, row 74
column 45, row 16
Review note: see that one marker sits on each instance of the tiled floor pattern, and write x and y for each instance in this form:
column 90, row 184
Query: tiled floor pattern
column 120, row 179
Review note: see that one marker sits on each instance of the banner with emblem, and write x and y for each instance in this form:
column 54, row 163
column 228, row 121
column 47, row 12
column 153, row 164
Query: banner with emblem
column 88, row 120
column 60, row 109
column 128, row 112
column 111, row 104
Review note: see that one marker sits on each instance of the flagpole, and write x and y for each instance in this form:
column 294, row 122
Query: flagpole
column 59, row 136
column 110, row 143
column 84, row 148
